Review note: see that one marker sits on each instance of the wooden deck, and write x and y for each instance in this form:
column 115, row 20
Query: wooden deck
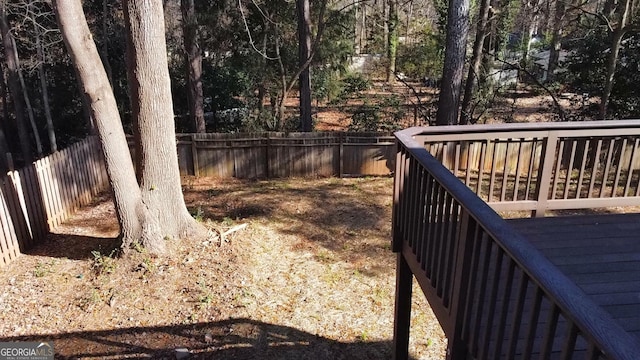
column 543, row 288
column 600, row 253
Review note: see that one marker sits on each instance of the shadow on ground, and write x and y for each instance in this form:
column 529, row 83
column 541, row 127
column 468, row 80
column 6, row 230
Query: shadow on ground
column 349, row 218
column 76, row 247
column 227, row 339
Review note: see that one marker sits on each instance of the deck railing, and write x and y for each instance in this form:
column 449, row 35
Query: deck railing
column 543, row 166
column 494, row 294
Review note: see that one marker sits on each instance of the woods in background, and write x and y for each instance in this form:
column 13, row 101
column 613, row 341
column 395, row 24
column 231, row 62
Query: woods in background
column 237, row 65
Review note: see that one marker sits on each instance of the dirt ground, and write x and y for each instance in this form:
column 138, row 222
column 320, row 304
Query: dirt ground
column 311, row 276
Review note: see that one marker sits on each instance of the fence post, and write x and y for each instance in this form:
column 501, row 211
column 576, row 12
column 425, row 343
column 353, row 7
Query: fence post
column 267, row 154
column 544, row 178
column 342, row 138
column 194, row 156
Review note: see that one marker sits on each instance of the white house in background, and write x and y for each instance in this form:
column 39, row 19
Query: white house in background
column 541, row 59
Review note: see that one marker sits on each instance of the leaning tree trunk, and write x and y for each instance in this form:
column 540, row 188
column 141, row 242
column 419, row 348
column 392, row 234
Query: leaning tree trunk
column 194, row 65
column 94, row 83
column 454, row 57
column 150, row 91
column 14, row 86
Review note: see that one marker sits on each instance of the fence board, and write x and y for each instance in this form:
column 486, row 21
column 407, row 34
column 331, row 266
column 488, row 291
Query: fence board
column 9, row 241
column 38, row 197
column 277, row 155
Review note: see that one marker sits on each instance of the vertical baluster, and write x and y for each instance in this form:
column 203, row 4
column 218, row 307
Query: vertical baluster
column 443, row 241
column 505, row 172
column 455, row 237
column 614, row 187
column 567, row 182
column 532, row 161
column 423, row 236
column 467, row 330
column 433, row 230
column 530, row 335
column 494, row 165
column 569, row 342
column 429, row 233
column 594, row 169
column 456, row 160
column 486, row 261
column 483, row 158
column 506, row 297
column 593, row 353
column 470, row 154
column 627, row 186
column 424, row 175
column 556, row 173
column 493, row 300
column 550, row 332
column 517, row 315
column 585, row 151
column 516, row 185
column 607, row 167
column 412, row 214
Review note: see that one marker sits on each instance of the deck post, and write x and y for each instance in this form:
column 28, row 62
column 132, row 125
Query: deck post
column 544, row 178
column 402, row 316
column 456, row 347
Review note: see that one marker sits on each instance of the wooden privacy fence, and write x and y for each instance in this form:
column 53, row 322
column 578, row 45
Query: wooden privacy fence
column 37, row 198
column 277, row 155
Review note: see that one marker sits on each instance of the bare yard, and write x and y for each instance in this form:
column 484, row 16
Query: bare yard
column 312, row 276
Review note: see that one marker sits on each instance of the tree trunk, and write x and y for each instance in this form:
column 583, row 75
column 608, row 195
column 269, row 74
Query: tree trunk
column 554, row 51
column 53, row 145
column 152, row 110
column 466, row 115
column 14, row 86
column 454, row 57
column 194, row 65
column 392, row 40
column 27, row 102
column 145, row 216
column 619, row 32
column 304, row 51
column 4, row 146
column 130, row 209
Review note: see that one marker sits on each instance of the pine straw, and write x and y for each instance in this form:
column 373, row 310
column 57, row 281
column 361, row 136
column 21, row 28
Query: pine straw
column 311, row 277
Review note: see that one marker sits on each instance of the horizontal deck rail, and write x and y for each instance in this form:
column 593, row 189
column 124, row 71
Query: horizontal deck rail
column 494, row 294
column 543, row 166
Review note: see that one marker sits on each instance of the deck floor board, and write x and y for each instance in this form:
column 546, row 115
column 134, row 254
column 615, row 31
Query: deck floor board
column 600, row 253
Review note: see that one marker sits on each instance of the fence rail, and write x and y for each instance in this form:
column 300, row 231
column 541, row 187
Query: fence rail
column 495, row 295
column 37, row 198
